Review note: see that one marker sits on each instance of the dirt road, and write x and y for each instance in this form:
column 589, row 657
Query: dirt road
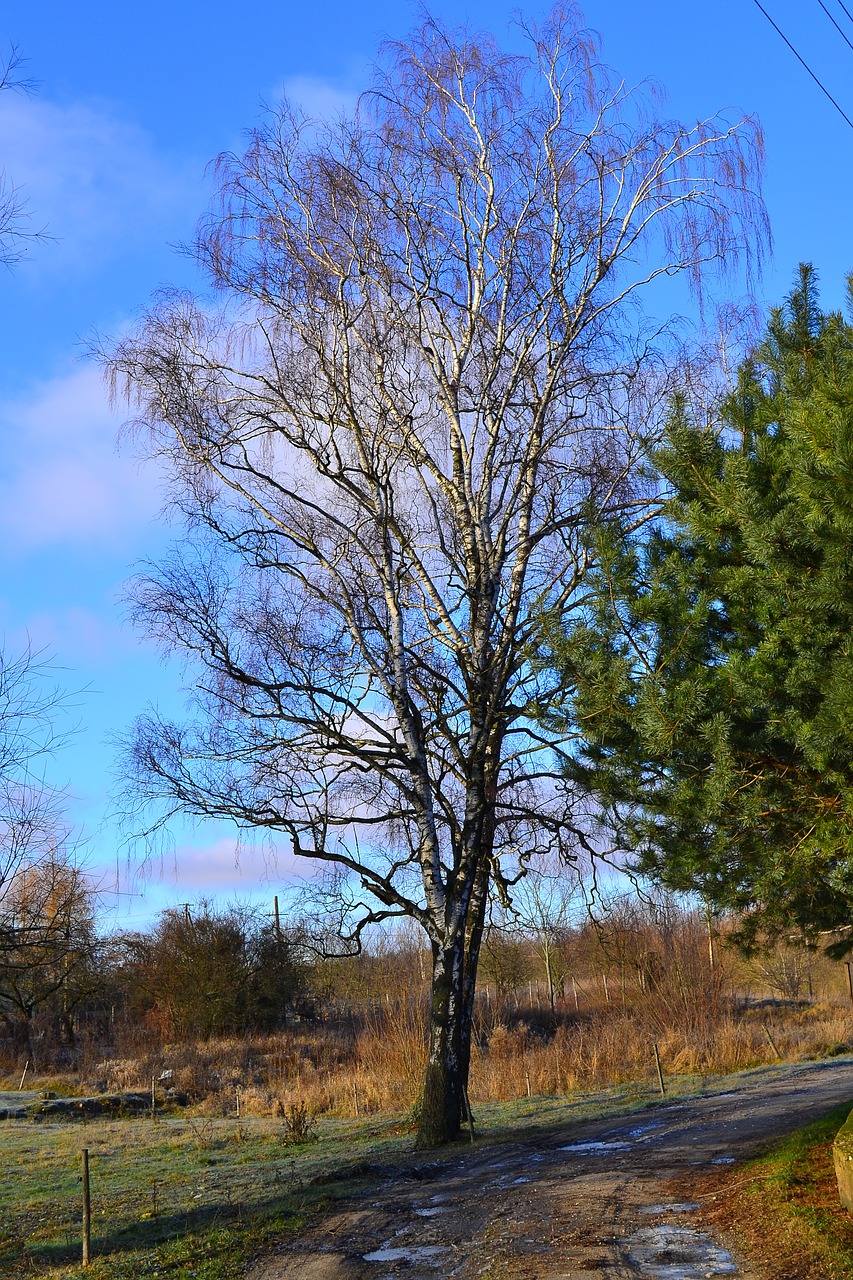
column 585, row 1203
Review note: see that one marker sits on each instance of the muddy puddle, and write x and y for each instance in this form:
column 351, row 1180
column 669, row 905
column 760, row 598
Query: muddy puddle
column 596, row 1148
column 657, row 1210
column 678, row 1253
column 622, row 1140
column 429, row 1254
column 642, row 1130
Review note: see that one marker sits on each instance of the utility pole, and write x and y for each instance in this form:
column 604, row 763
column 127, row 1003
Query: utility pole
column 279, row 947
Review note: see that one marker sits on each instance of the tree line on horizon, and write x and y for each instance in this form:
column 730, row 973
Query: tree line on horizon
column 73, row 995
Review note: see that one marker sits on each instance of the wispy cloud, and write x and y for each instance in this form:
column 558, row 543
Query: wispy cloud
column 225, row 866
column 320, row 99
column 62, row 477
column 101, row 186
column 79, row 634
column 96, row 183
column 217, row 869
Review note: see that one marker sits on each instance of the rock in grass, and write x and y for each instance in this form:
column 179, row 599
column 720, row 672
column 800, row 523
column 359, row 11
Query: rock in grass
column 842, row 1154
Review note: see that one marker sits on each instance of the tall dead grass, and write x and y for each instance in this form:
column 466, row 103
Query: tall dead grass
column 376, row 1065
column 606, row 1048
column 644, row 980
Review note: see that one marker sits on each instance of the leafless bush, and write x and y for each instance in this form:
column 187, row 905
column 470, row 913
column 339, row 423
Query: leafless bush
column 368, row 1058
column 297, row 1123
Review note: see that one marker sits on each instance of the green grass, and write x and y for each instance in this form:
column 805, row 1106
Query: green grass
column 180, row 1198
column 166, row 1200
column 784, row 1206
column 195, row 1199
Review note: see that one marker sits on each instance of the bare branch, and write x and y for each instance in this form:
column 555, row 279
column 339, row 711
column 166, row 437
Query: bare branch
column 428, row 383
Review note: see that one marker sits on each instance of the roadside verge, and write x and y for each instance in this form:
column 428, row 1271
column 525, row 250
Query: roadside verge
column 781, row 1209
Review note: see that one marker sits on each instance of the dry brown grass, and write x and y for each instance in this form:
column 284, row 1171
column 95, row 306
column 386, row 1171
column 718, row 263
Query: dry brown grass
column 615, row 1047
column 375, row 1063
column 648, row 981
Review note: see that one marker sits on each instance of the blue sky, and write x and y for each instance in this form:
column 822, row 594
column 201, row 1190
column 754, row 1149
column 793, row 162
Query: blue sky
column 132, row 102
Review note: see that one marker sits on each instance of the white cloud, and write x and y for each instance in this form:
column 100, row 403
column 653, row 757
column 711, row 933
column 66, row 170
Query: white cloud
column 225, row 866
column 320, row 99
column 79, row 634
column 62, row 477
column 95, row 183
column 221, row 869
column 101, row 186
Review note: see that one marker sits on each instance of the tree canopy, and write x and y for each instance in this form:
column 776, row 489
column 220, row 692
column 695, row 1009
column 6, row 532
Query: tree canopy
column 387, row 434
column 711, row 681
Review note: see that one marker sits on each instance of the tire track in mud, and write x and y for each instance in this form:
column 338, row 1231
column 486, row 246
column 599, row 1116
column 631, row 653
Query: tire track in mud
column 581, row 1203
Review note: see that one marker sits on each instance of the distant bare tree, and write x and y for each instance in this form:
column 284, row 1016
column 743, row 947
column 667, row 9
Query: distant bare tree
column 16, row 231
column 30, row 809
column 47, row 944
column 545, row 907
column 426, row 381
column 45, row 897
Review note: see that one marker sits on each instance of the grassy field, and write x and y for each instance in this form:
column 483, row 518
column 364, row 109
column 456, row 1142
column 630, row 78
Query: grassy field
column 193, row 1197
column 172, row 1198
column 783, row 1207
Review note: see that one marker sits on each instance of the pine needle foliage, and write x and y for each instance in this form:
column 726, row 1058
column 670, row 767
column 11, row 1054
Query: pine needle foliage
column 711, row 681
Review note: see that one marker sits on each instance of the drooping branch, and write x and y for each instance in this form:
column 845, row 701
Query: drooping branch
column 392, row 445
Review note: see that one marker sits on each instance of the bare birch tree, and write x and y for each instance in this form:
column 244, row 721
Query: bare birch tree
column 389, row 440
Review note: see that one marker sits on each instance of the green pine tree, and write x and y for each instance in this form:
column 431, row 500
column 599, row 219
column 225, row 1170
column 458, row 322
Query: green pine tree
column 711, row 683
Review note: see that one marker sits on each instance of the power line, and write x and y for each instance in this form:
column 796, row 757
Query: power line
column 803, row 63
column 846, row 10
column 840, row 30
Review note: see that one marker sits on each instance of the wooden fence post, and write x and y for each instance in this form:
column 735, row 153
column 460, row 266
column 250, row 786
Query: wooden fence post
column 468, row 1114
column 773, row 1045
column 87, row 1208
column 661, row 1084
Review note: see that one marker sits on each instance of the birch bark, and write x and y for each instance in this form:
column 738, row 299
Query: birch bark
column 390, row 443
